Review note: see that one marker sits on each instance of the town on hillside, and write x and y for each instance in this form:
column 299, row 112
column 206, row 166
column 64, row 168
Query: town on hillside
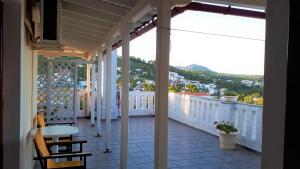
column 196, row 80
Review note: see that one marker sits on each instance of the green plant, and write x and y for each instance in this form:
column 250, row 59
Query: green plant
column 227, row 127
column 230, row 93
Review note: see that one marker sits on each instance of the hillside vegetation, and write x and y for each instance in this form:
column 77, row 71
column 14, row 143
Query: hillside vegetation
column 146, row 71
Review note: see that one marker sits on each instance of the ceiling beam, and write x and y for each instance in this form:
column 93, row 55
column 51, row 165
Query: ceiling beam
column 101, row 6
column 85, row 18
column 83, row 55
column 82, row 28
column 77, row 44
column 83, row 22
column 80, row 36
column 256, row 4
column 85, row 25
column 90, row 12
column 88, row 34
column 68, row 36
column 125, row 4
column 226, row 10
column 142, row 5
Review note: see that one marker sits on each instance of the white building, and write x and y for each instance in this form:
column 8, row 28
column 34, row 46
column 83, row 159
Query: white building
column 174, row 76
column 248, row 82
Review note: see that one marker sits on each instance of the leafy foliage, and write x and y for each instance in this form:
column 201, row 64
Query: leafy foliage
column 230, row 93
column 254, row 98
column 226, row 127
column 141, row 70
column 148, row 87
column 191, row 88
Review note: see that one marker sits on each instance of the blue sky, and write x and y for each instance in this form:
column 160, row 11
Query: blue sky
column 219, row 53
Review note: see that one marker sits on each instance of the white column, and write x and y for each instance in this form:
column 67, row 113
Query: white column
column 93, row 94
column 113, row 89
column 108, row 100
column 88, row 89
column 99, row 94
column 104, row 84
column 125, row 97
column 162, row 82
column 275, row 86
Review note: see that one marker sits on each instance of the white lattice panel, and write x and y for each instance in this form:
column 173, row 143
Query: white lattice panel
column 42, row 85
column 61, row 92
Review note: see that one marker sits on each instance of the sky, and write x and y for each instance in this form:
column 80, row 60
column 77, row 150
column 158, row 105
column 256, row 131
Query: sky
column 195, row 39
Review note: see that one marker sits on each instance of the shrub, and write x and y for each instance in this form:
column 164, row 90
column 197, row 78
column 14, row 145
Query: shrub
column 230, row 93
column 226, row 127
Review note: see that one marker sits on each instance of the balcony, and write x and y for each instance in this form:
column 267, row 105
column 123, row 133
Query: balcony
column 188, row 147
column 192, row 139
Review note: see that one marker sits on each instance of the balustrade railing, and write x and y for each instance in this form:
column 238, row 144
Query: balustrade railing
column 141, row 103
column 199, row 112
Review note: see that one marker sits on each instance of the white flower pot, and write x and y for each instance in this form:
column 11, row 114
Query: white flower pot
column 227, row 141
column 229, row 98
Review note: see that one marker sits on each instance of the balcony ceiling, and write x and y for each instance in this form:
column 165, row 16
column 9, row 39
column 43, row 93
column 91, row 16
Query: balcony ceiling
column 88, row 24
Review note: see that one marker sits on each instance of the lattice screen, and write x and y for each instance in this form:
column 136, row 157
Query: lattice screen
column 42, row 85
column 56, row 90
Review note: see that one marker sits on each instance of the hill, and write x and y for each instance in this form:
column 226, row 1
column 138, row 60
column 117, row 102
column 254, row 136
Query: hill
column 141, row 70
column 194, row 67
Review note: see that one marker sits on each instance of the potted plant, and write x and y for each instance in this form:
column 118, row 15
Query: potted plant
column 229, row 96
column 227, row 134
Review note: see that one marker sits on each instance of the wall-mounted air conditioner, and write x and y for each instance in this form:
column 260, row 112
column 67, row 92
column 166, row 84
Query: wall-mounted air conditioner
column 46, row 31
column 50, row 26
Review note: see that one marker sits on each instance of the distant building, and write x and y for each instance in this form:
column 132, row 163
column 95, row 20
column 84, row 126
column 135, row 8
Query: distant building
column 248, row 82
column 173, row 76
column 138, row 70
column 150, row 82
column 259, row 83
column 222, row 91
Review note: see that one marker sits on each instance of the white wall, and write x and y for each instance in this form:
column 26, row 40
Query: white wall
column 28, row 108
column 11, row 83
column 18, row 89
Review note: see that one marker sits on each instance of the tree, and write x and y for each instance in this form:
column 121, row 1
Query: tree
column 191, row 88
column 132, row 84
column 148, row 87
column 254, row 98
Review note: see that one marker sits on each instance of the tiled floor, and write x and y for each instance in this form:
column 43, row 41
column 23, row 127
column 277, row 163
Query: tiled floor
column 189, row 148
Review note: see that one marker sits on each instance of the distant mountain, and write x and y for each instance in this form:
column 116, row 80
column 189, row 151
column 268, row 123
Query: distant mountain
column 194, row 67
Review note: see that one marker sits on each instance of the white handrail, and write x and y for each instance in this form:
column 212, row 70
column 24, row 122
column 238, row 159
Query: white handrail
column 199, row 112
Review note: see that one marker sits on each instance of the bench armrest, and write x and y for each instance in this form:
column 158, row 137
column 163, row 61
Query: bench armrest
column 67, row 142
column 84, row 154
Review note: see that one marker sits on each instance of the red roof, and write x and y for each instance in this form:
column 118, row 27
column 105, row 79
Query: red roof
column 194, row 94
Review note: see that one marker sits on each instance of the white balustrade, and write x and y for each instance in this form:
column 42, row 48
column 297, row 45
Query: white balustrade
column 81, row 105
column 141, row 103
column 199, row 112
